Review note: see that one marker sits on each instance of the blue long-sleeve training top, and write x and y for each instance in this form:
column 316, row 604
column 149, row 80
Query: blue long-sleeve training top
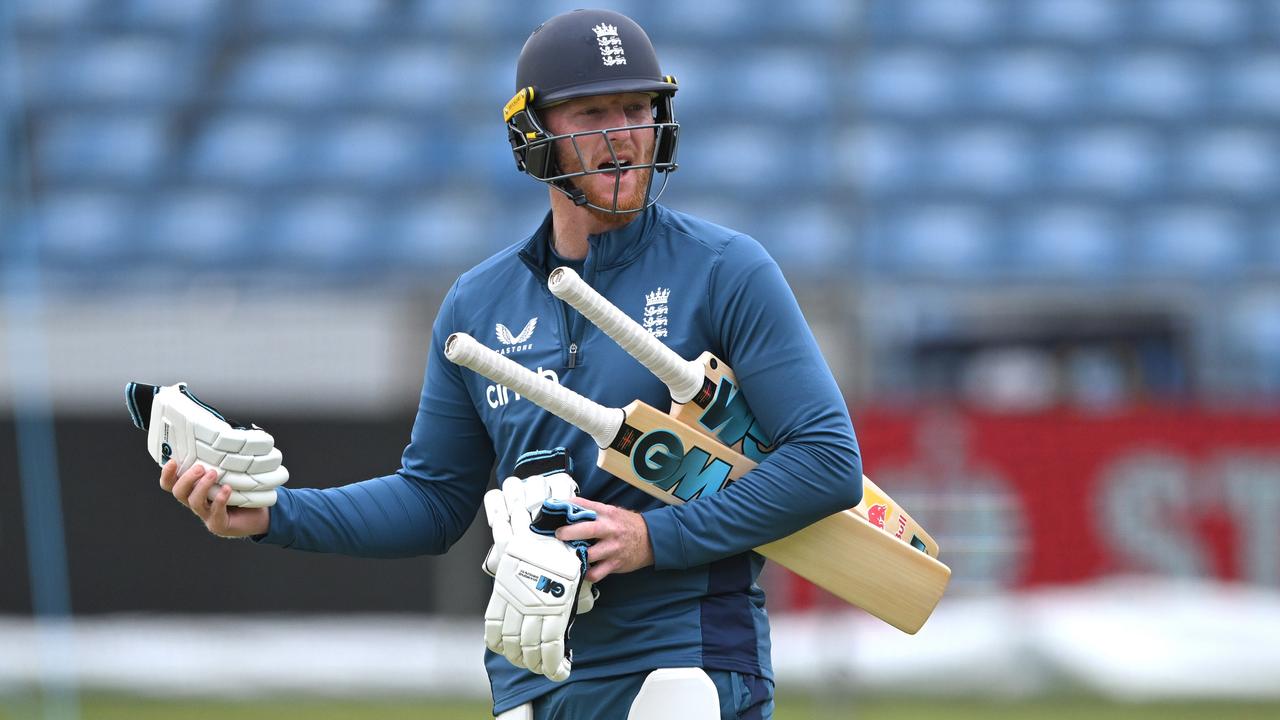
column 697, row 286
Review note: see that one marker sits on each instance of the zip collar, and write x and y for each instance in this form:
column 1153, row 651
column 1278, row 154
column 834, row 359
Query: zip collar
column 608, row 250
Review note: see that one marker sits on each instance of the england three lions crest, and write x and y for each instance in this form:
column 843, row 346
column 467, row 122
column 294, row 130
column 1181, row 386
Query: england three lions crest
column 611, row 52
column 655, row 312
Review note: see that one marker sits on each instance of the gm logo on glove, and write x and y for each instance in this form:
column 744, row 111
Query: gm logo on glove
column 547, row 585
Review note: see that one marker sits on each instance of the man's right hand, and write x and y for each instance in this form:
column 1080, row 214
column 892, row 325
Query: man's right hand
column 195, row 489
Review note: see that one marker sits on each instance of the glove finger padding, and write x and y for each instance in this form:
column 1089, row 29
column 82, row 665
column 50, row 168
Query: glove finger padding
column 495, row 512
column 183, row 428
column 246, row 499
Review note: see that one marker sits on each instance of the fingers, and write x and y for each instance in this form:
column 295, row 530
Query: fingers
column 198, row 500
column 169, row 475
column 217, row 519
column 183, row 486
column 601, row 570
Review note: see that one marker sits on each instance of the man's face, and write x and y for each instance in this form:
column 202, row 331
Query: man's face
column 632, row 147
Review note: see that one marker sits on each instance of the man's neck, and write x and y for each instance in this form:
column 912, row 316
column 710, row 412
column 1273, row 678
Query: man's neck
column 571, row 224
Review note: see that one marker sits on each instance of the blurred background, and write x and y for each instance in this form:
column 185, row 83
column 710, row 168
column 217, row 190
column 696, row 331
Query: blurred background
column 1039, row 242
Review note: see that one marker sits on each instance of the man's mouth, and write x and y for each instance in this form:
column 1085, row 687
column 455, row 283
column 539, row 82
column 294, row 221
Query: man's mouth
column 622, row 165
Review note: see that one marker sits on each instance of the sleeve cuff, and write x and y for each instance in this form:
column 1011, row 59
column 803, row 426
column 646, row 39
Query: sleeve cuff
column 665, row 538
column 280, row 527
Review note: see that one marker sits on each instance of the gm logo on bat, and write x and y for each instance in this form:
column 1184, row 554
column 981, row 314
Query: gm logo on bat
column 659, row 458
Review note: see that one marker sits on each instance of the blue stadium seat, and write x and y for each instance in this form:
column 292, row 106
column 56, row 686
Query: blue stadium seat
column 938, row 20
column 1239, row 161
column 448, row 230
column 253, row 149
column 826, row 19
column 1251, row 334
column 1248, row 82
column 1194, row 21
column 123, row 69
column 988, row 159
column 194, row 15
column 60, row 15
column 1195, row 240
column 879, row 158
column 709, row 23
column 103, row 147
column 1110, row 160
column 323, row 231
column 418, row 77
column 85, row 228
column 296, row 75
column 1075, row 241
column 476, row 152
column 345, row 17
column 370, row 149
column 914, row 81
column 481, row 21
column 201, row 226
column 1038, row 82
column 1160, row 84
column 1269, row 244
column 812, row 237
column 699, row 76
column 935, row 239
column 730, row 157
column 1078, row 21
column 794, row 84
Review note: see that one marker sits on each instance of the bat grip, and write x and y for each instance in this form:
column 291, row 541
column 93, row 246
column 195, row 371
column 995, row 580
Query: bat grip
column 682, row 377
column 600, row 422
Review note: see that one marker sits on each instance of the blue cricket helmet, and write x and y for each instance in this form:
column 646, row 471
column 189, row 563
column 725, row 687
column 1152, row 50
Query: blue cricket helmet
column 579, row 54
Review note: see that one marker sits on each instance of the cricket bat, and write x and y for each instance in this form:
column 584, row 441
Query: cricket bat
column 664, row 457
column 705, row 395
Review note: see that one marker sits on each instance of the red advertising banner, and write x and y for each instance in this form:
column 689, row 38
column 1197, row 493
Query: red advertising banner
column 1020, row 500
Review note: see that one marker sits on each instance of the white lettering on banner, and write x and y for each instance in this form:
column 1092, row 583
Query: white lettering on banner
column 1140, row 503
column 1166, row 514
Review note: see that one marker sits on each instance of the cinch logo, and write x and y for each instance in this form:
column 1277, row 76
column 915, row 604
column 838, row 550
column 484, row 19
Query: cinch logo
column 730, row 419
column 659, row 457
column 499, row 395
column 515, row 343
column 551, row 587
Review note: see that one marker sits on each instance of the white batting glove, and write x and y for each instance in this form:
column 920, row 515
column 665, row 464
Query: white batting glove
column 535, row 591
column 183, row 428
column 554, row 484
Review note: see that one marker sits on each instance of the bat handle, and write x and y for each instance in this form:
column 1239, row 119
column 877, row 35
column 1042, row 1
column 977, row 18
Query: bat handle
column 600, row 422
column 682, row 377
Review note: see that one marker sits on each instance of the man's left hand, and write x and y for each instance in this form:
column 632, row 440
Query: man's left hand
column 621, row 539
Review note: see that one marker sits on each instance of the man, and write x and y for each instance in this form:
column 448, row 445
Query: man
column 593, row 119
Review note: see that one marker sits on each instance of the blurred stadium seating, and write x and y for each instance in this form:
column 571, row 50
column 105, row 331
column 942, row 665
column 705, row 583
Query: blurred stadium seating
column 933, row 135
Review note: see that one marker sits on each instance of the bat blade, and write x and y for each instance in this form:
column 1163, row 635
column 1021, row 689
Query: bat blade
column 843, row 553
column 675, row 463
column 705, row 395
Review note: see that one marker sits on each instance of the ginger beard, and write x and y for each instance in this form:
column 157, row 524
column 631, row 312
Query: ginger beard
column 632, row 185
